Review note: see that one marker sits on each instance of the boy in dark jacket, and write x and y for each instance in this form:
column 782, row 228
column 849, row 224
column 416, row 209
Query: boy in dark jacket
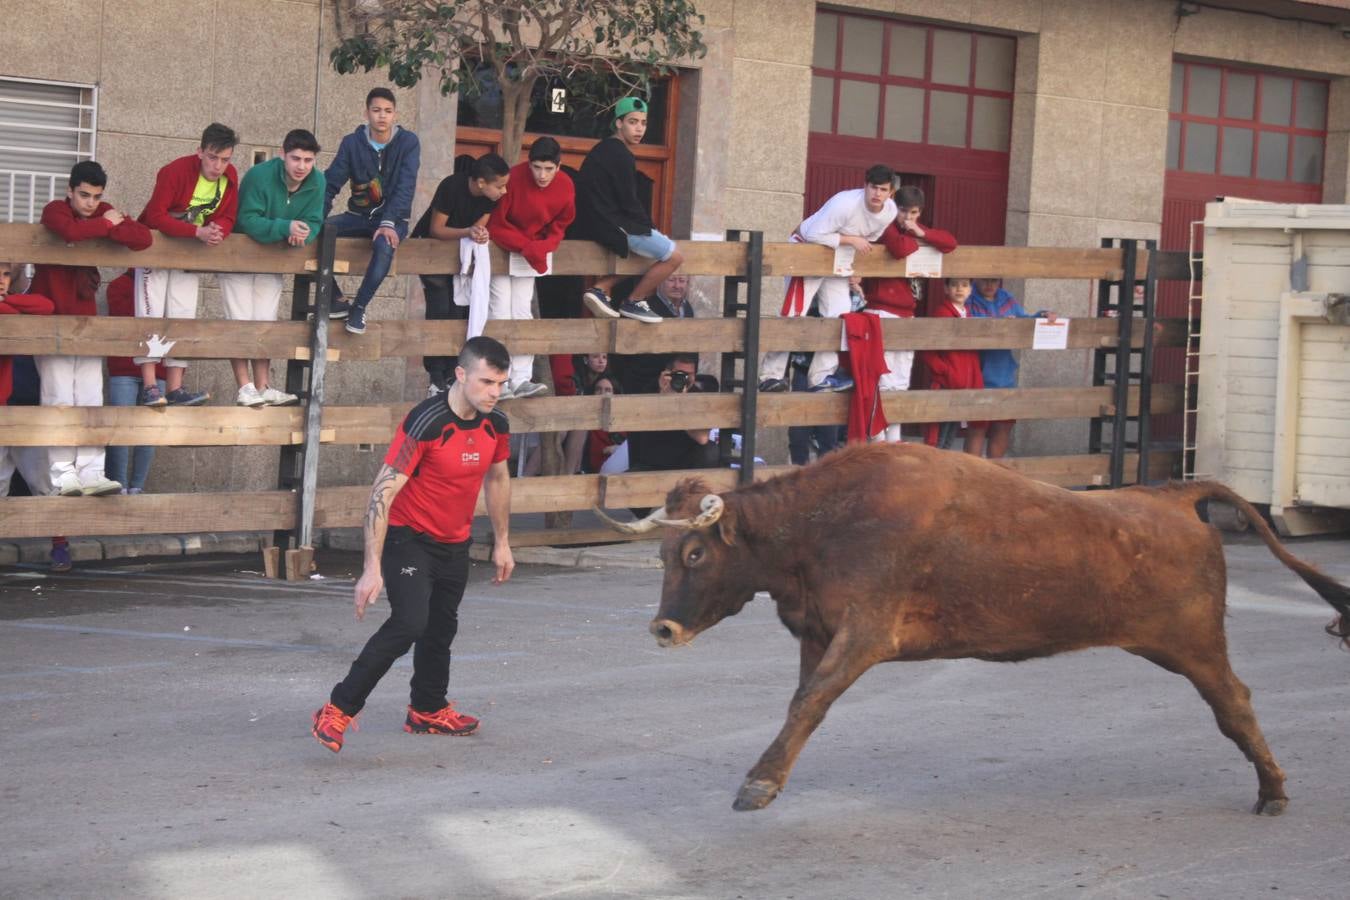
column 380, row 159
column 78, row 380
column 610, row 214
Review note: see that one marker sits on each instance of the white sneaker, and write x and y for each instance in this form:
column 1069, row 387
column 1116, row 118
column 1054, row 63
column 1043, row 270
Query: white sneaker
column 100, row 486
column 528, row 389
column 273, row 397
column 507, row 392
column 68, row 486
column 249, row 396
column 434, row 389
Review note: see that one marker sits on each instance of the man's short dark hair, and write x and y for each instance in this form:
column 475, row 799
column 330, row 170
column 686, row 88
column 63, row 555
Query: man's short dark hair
column 909, row 196
column 489, row 167
column 670, row 359
column 880, row 174
column 491, row 351
column 88, row 172
column 300, row 139
column 545, row 149
column 218, row 137
column 380, row 93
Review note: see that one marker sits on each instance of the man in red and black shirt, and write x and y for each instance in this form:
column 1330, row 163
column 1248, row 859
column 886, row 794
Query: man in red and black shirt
column 417, row 542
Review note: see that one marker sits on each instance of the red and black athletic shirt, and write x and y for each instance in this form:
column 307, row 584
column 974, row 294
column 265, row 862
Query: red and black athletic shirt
column 445, row 458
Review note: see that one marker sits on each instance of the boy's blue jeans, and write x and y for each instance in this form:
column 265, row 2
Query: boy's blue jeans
column 350, row 224
column 124, row 390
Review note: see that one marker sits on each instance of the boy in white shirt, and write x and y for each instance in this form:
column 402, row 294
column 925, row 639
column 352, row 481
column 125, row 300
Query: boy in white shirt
column 852, row 218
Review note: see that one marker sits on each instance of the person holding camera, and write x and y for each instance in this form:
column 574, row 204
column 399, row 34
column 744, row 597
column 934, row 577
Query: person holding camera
column 665, row 450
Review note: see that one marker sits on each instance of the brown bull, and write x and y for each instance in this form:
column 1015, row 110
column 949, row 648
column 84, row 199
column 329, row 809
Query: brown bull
column 902, row 552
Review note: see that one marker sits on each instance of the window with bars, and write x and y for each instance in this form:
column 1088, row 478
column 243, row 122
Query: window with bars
column 1248, row 124
column 45, row 128
column 901, row 81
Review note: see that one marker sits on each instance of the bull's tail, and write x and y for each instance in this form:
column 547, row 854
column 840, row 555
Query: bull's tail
column 1329, row 589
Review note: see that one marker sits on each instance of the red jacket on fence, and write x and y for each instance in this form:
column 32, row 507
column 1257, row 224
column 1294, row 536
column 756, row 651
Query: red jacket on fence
column 73, row 288
column 122, row 302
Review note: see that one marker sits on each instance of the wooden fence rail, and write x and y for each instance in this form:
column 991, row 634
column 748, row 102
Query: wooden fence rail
column 344, row 506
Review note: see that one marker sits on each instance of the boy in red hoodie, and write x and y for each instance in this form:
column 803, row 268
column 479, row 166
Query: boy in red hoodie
column 952, row 370
column 893, row 298
column 529, row 220
column 78, row 380
column 195, row 196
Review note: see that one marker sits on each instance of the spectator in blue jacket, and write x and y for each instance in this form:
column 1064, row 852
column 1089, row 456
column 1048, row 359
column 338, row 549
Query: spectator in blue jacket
column 380, row 159
column 990, row 300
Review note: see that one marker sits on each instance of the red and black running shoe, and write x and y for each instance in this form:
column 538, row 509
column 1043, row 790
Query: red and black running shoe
column 443, row 721
column 330, row 723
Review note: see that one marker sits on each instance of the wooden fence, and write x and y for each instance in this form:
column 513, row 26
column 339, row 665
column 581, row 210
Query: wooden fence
column 315, row 424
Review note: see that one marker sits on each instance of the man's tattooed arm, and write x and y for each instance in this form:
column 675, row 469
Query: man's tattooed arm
column 387, row 484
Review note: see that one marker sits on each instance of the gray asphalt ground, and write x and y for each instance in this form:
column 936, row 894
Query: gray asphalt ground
column 155, row 744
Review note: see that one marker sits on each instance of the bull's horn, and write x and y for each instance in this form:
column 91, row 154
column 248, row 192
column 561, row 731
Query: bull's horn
column 641, row 526
column 711, row 507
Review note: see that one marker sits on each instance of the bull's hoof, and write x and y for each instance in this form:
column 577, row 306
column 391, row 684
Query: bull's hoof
column 1270, row 807
column 755, row 795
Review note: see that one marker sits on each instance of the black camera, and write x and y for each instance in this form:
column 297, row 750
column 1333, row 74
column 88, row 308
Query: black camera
column 680, row 381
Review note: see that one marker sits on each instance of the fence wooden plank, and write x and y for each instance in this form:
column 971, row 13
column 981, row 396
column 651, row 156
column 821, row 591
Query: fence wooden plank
column 239, row 253
column 219, row 339
column 341, row 507
column 210, row 426
column 147, row 514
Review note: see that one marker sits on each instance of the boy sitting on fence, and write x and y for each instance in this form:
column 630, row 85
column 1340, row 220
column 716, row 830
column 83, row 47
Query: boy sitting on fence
column 952, row 370
column 78, row 380
column 610, row 214
column 893, row 298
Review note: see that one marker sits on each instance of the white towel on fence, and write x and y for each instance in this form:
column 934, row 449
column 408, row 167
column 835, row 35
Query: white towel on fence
column 471, row 283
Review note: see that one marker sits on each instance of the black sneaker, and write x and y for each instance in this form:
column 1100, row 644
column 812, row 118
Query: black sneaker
column 638, row 309
column 339, row 309
column 356, row 320
column 773, row 386
column 152, row 396
column 598, row 302
column 183, row 397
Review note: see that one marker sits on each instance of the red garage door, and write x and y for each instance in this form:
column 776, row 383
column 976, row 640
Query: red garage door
column 933, row 103
column 1233, row 132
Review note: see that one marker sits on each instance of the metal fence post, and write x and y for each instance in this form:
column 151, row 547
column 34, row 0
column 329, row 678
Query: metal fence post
column 318, row 365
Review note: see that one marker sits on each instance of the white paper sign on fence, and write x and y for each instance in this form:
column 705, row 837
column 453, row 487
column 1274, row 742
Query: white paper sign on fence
column 926, row 262
column 843, row 260
column 1050, row 335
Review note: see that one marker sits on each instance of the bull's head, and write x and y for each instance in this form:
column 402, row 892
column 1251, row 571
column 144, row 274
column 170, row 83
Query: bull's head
column 706, row 576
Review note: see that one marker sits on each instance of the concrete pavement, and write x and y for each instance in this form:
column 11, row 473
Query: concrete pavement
column 156, row 745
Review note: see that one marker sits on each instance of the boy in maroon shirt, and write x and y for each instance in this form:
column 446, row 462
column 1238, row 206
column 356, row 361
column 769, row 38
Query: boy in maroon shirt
column 78, row 380
column 417, row 542
column 893, row 298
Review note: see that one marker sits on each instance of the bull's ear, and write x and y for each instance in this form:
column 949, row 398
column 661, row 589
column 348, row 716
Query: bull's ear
column 726, row 527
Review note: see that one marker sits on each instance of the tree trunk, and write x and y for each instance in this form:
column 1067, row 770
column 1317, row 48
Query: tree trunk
column 515, row 110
